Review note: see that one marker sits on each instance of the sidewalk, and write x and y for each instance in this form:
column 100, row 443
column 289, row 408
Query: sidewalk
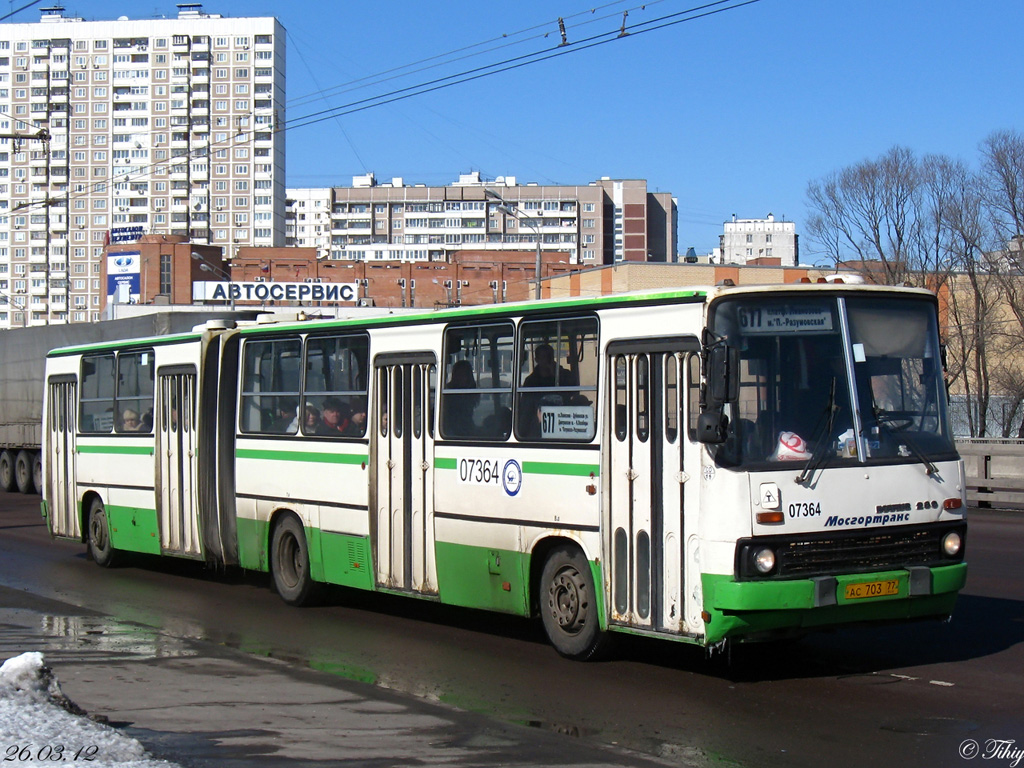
column 199, row 704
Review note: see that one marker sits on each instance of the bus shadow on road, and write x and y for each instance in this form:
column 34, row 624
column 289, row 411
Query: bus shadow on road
column 981, row 626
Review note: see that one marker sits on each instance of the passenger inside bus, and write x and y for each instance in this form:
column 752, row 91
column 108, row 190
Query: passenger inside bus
column 312, row 419
column 287, row 416
column 130, row 421
column 459, row 405
column 334, row 417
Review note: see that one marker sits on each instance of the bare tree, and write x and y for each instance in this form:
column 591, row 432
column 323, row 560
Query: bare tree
column 936, row 223
column 883, row 213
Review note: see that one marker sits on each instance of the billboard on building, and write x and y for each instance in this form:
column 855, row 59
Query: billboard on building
column 273, row 291
column 123, row 277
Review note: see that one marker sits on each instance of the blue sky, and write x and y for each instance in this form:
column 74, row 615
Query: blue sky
column 732, row 113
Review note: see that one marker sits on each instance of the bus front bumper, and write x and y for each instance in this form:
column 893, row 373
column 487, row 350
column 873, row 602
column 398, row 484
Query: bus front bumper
column 747, row 609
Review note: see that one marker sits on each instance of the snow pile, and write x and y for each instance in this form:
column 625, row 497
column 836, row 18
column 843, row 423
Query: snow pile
column 43, row 725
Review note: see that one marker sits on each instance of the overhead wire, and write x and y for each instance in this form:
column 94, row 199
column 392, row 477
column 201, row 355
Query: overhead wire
column 517, row 62
column 507, row 39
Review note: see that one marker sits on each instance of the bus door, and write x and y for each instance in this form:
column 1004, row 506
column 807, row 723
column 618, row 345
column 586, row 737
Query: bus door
column 62, row 419
column 649, row 465
column 176, row 467
column 402, row 447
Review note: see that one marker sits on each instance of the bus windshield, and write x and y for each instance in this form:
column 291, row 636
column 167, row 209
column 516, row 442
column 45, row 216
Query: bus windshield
column 844, row 380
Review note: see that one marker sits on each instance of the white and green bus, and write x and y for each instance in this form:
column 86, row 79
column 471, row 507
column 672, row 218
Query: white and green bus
column 698, row 464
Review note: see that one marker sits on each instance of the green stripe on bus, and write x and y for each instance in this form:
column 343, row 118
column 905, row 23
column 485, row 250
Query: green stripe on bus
column 537, row 467
column 318, row 457
column 142, row 343
column 553, row 468
column 488, row 310
column 132, row 450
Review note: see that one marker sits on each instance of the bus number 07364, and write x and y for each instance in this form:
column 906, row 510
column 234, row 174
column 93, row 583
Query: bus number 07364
column 479, row 471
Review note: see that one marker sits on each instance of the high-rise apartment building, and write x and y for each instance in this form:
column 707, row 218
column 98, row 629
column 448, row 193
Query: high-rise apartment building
column 115, row 129
column 759, row 241
column 604, row 222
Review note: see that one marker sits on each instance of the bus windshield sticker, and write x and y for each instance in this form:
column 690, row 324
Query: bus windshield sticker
column 784, row 318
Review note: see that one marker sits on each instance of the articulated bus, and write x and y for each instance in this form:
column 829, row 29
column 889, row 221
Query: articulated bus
column 700, row 464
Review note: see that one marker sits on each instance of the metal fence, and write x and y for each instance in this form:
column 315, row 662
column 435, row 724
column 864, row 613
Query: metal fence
column 995, row 472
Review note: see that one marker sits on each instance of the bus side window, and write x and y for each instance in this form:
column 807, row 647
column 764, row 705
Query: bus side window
column 336, row 381
column 621, row 399
column 692, row 392
column 672, row 393
column 134, row 406
column 557, row 381
column 270, row 384
column 476, row 397
column 97, row 398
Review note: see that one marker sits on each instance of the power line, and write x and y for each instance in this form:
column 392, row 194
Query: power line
column 516, row 62
column 506, row 39
column 19, row 10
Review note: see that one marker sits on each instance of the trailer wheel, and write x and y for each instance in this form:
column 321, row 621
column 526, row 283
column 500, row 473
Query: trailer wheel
column 98, row 542
column 23, row 472
column 7, row 482
column 37, row 471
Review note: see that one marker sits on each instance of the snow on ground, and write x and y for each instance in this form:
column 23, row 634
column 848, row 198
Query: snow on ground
column 39, row 724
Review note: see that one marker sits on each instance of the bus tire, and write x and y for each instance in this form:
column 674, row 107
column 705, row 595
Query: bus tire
column 23, row 472
column 97, row 540
column 568, row 606
column 289, row 562
column 7, row 482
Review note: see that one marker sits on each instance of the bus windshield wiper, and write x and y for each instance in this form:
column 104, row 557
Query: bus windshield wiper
column 903, row 438
column 819, row 454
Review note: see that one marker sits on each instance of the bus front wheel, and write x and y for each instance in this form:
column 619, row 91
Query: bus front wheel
column 98, row 536
column 289, row 562
column 568, row 606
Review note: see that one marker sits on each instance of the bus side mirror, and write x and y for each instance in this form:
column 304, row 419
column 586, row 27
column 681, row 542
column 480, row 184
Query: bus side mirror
column 722, row 386
column 723, row 380
column 712, row 427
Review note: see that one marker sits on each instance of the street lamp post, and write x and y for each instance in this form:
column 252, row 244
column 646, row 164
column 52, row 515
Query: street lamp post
column 207, row 267
column 504, row 207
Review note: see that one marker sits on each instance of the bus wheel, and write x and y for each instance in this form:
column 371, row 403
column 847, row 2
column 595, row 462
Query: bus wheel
column 568, row 606
column 7, row 482
column 98, row 542
column 289, row 562
column 23, row 472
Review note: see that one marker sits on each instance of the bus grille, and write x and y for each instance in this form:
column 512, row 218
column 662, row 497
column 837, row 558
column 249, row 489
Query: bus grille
column 856, row 552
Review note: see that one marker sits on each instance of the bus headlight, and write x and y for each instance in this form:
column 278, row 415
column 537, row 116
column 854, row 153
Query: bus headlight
column 764, row 560
column 951, row 543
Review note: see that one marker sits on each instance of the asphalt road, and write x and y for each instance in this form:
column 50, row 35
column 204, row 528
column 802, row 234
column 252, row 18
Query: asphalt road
column 908, row 695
